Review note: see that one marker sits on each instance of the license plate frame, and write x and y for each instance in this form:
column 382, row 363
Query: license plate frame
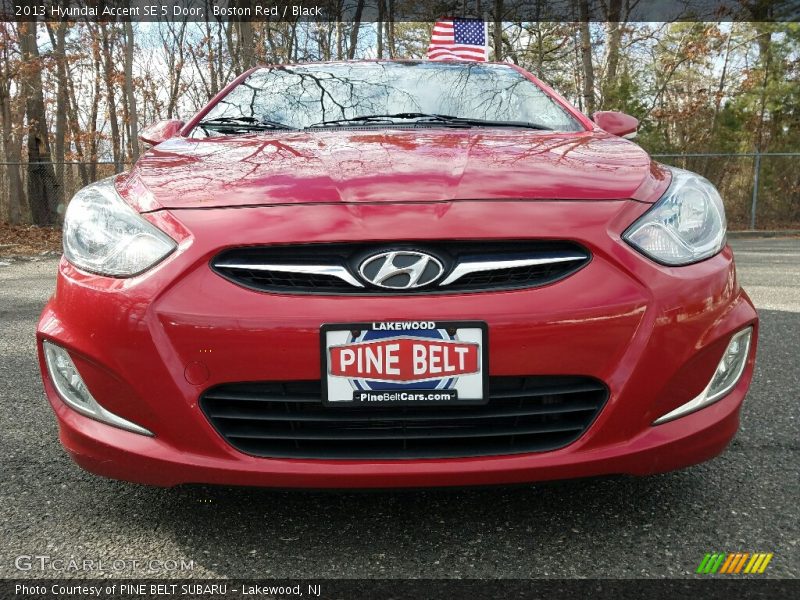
column 477, row 392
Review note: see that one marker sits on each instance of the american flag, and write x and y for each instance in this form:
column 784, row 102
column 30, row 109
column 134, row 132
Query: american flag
column 459, row 39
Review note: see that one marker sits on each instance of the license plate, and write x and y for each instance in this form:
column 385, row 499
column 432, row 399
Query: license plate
column 404, row 362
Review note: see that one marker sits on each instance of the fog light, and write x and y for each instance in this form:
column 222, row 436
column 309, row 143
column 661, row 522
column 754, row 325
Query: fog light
column 725, row 378
column 73, row 391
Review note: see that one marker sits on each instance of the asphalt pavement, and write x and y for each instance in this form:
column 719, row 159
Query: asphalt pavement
column 659, row 526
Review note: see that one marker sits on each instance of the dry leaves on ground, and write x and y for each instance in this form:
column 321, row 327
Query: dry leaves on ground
column 28, row 240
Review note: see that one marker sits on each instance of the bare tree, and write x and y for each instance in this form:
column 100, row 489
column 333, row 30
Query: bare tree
column 586, row 57
column 130, row 95
column 110, row 84
column 351, row 51
column 614, row 26
column 57, row 35
column 379, row 27
column 94, row 33
column 43, row 189
column 173, row 41
column 11, row 110
column 498, row 30
column 390, row 31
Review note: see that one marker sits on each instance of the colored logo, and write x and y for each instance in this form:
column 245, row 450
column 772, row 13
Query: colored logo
column 734, row 563
column 404, row 359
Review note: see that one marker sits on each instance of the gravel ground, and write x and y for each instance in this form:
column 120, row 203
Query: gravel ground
column 659, row 526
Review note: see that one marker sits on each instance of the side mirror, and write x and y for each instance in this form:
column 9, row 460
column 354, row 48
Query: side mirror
column 617, row 123
column 161, row 131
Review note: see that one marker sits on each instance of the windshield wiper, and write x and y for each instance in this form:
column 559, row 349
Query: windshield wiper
column 390, row 118
column 241, row 123
column 429, row 118
column 490, row 123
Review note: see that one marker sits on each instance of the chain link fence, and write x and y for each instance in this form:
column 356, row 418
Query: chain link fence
column 60, row 182
column 761, row 190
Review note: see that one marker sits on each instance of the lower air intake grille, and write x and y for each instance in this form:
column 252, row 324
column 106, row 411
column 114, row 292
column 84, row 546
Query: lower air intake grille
column 288, row 420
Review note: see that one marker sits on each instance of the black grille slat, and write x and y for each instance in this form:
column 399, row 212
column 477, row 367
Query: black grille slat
column 232, row 264
column 424, row 415
column 289, row 420
column 276, row 279
column 403, row 449
column 527, row 393
column 277, row 391
column 399, row 435
column 518, row 275
column 399, row 429
column 248, row 398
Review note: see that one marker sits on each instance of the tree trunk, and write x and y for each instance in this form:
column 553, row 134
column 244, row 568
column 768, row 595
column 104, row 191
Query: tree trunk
column 212, row 68
column 539, row 44
column 379, row 28
column 11, row 142
column 498, row 30
column 246, row 45
column 98, row 81
column 391, row 37
column 42, row 185
column 11, row 154
column 291, row 50
column 133, row 118
column 232, row 49
column 58, row 40
column 241, row 47
column 586, row 57
column 351, row 51
column 174, row 50
column 613, row 41
column 718, row 97
column 324, row 41
column 75, row 133
column 765, row 58
column 110, row 96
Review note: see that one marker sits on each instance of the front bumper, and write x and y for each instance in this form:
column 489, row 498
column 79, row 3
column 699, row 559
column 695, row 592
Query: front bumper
column 148, row 347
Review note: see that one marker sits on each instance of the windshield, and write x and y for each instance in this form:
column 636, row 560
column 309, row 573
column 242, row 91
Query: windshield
column 325, row 94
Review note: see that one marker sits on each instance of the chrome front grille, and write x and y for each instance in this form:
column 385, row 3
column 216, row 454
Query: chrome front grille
column 468, row 266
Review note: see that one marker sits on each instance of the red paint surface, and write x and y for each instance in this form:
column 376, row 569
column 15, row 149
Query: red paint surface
column 616, row 123
column 161, row 131
column 652, row 334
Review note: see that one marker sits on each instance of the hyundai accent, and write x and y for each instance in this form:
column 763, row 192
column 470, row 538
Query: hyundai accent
column 388, row 273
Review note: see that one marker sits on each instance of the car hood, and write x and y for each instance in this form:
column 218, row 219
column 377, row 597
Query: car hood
column 401, row 165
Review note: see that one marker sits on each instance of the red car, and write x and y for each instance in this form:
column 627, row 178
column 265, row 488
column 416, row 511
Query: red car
column 379, row 274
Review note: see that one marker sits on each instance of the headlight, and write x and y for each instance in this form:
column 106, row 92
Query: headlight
column 729, row 371
column 685, row 226
column 103, row 235
column 73, row 391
